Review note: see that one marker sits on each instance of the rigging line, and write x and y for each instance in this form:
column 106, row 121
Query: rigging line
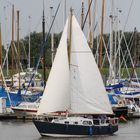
column 126, row 21
column 5, row 86
column 43, row 46
column 16, row 58
column 105, row 46
column 126, row 56
column 133, row 66
column 125, row 65
column 86, row 15
column 106, row 52
column 38, row 23
column 94, row 29
column 129, row 43
column 78, row 12
column 9, row 2
column 23, row 45
column 7, row 50
column 128, row 14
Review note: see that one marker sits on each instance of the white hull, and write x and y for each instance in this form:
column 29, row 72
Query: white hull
column 24, row 111
column 63, row 136
column 26, row 108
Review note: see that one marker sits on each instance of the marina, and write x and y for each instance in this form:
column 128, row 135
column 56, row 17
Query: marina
column 75, row 76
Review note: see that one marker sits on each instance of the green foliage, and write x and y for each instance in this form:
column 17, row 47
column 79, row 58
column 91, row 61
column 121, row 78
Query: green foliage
column 36, row 45
column 132, row 40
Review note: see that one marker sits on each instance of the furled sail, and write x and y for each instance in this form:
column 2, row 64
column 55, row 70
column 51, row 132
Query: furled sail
column 88, row 95
column 56, row 94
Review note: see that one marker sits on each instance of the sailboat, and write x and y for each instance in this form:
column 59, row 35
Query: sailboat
column 75, row 88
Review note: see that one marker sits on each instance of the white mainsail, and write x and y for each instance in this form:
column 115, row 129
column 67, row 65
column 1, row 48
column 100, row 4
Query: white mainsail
column 56, row 94
column 88, row 95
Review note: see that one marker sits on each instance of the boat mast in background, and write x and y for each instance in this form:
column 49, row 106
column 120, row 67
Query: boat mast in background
column 0, row 46
column 69, row 48
column 52, row 35
column 18, row 47
column 111, row 45
column 82, row 15
column 94, row 19
column 29, row 53
column 101, row 34
column 44, row 52
column 90, row 26
column 12, row 43
column 65, row 11
column 1, row 54
column 6, row 44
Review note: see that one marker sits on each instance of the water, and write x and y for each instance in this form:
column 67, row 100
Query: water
column 18, row 130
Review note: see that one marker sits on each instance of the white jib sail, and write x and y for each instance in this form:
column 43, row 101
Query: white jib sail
column 88, row 95
column 56, row 94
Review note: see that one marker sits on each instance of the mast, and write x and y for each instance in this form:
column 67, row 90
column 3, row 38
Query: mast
column 52, row 36
column 94, row 14
column 119, row 44
column 12, row 43
column 65, row 11
column 1, row 54
column 111, row 45
column 44, row 52
column 135, row 45
column 90, row 32
column 29, row 54
column 101, row 34
column 115, row 45
column 0, row 47
column 69, row 49
column 7, row 63
column 82, row 15
column 7, row 45
column 119, row 41
column 18, row 46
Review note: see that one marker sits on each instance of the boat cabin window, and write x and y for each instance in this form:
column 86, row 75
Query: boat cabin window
column 87, row 123
column 75, row 122
column 96, row 122
column 66, row 122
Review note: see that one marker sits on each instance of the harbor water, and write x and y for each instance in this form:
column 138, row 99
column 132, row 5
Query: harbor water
column 19, row 130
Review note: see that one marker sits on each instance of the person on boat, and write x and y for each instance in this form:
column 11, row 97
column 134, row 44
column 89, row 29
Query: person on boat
column 103, row 118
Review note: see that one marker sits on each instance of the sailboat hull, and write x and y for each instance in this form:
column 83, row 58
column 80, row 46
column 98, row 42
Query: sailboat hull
column 67, row 130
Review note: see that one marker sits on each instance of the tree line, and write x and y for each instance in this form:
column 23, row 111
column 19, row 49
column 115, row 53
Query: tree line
column 132, row 39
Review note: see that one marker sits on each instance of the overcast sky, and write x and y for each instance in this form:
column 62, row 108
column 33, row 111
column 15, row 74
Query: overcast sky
column 34, row 8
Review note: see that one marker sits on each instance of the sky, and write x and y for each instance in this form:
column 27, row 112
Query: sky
column 128, row 16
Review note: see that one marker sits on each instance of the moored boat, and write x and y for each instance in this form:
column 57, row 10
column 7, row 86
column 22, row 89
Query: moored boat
column 76, row 127
column 78, row 93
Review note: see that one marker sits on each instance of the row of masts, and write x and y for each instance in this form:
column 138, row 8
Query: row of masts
column 18, row 44
column 12, row 45
column 52, row 38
